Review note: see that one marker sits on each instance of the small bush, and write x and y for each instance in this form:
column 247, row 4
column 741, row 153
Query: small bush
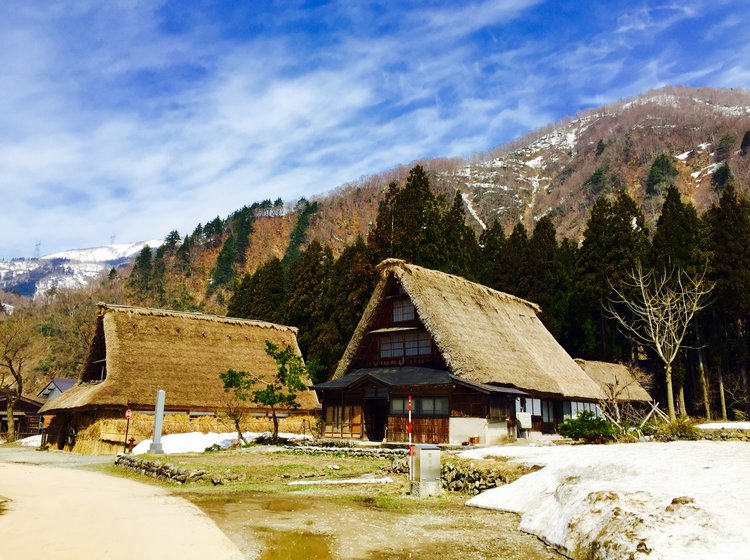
column 739, row 415
column 679, row 429
column 588, row 427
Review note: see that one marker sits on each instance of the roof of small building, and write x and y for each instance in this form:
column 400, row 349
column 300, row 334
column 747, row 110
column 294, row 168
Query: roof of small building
column 410, row 376
column 145, row 350
column 61, row 383
column 485, row 336
column 615, row 380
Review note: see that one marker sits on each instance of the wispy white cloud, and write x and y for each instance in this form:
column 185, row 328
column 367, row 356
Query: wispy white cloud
column 110, row 123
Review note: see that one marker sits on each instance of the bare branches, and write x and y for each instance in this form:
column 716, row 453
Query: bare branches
column 657, row 309
column 616, row 402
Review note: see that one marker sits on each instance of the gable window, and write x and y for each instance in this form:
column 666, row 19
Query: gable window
column 403, row 310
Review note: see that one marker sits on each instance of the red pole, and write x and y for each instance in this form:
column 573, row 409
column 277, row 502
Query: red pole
column 411, row 448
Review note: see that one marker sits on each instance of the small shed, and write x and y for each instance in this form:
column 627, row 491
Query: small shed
column 25, row 414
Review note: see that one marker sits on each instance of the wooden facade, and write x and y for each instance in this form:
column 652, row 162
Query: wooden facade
column 25, row 414
column 471, row 357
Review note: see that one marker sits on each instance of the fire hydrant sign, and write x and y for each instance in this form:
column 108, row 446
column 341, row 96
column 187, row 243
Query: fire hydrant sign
column 128, row 414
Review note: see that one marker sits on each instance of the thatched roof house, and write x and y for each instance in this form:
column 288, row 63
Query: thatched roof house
column 484, row 336
column 615, row 381
column 137, row 351
column 472, row 360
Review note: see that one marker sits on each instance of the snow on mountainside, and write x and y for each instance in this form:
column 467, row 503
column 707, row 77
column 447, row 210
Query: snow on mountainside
column 66, row 269
column 549, row 172
column 106, row 253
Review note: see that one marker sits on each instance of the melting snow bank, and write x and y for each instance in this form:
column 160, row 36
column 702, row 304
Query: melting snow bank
column 643, row 500
column 31, row 441
column 360, row 480
column 197, row 442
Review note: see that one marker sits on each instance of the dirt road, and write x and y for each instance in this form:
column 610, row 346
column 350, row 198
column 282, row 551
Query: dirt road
column 66, row 514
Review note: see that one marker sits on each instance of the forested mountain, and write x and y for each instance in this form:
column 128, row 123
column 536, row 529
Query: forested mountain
column 559, row 217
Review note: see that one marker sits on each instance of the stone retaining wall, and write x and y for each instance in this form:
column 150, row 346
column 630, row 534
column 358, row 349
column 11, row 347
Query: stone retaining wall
column 172, row 473
column 725, row 434
column 335, row 451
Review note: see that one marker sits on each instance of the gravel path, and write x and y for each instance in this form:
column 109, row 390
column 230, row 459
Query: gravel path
column 66, row 513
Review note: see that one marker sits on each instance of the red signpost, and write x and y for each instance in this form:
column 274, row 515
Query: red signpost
column 411, row 448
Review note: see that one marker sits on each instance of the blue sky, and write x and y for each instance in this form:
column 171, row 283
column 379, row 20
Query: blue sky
column 131, row 118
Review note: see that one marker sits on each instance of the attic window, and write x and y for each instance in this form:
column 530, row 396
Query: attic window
column 405, row 344
column 403, row 310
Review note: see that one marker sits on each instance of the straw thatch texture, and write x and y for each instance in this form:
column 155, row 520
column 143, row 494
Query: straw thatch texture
column 485, row 336
column 183, row 353
column 615, row 380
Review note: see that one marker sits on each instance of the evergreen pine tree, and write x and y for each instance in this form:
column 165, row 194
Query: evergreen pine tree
column 676, row 242
column 729, row 239
column 408, row 223
column 745, row 145
column 615, row 240
column 223, row 273
column 171, row 241
column 460, row 248
column 140, row 276
column 491, row 243
column 722, row 177
column 661, row 175
column 538, row 271
column 510, row 265
column 306, row 288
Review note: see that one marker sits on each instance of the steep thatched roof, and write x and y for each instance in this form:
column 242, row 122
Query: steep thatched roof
column 615, row 380
column 183, row 353
column 485, row 336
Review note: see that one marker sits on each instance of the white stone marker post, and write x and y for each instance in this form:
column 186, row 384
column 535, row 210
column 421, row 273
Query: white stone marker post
column 155, row 446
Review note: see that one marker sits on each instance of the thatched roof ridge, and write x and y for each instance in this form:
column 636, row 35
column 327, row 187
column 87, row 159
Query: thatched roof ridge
column 192, row 315
column 484, row 336
column 616, row 380
column 183, row 353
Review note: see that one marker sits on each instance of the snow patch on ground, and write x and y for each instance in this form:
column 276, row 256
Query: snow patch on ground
column 724, row 425
column 361, row 480
column 536, row 163
column 683, row 156
column 647, row 500
column 197, row 442
column 31, row 441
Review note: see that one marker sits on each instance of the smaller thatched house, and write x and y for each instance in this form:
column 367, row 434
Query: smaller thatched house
column 616, row 381
column 471, row 358
column 137, row 351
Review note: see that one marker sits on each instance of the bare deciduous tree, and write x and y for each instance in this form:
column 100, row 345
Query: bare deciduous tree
column 656, row 310
column 15, row 341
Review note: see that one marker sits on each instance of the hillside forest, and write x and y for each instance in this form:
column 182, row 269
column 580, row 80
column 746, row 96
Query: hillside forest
column 262, row 262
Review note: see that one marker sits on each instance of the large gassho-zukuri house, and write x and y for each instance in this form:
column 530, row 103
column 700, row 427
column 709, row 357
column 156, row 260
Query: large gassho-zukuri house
column 137, row 351
column 474, row 361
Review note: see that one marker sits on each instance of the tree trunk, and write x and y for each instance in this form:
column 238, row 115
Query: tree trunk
column 703, row 376
column 722, row 397
column 275, row 436
column 11, row 407
column 670, row 392
column 683, row 406
column 240, row 436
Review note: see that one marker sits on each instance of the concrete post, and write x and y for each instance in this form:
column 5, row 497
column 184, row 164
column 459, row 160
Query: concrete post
column 155, row 446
